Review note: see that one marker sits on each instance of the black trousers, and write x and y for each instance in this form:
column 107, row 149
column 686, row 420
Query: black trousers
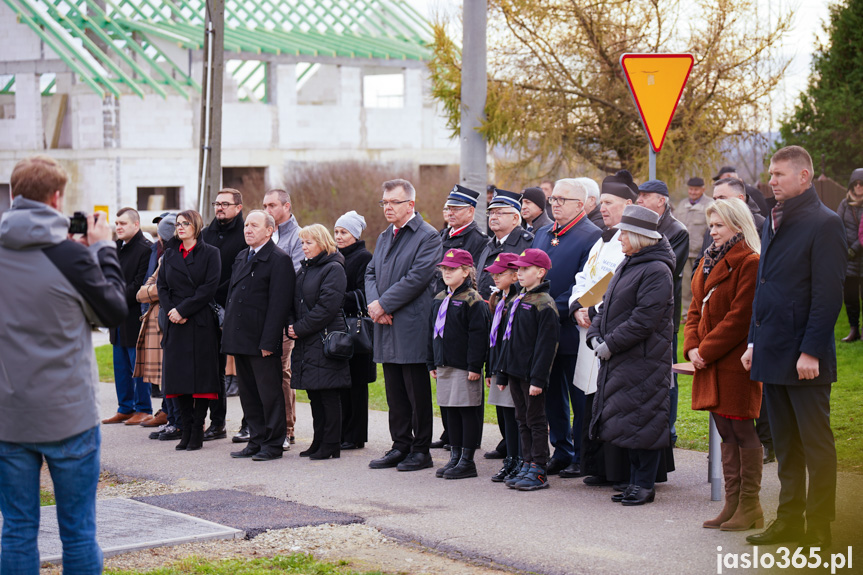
column 479, row 414
column 762, row 425
column 532, row 424
column 260, row 386
column 561, row 395
column 463, row 426
column 219, row 407
column 355, row 413
column 326, row 407
column 592, row 452
column 511, row 446
column 803, row 441
column 501, row 425
column 408, row 388
column 853, row 289
column 643, row 464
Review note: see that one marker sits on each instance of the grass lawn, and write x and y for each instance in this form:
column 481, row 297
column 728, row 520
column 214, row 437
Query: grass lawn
column 846, row 402
column 297, row 563
column 46, row 498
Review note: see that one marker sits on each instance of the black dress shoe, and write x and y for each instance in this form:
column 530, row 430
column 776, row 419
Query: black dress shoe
column 638, row 496
column 597, row 481
column 571, row 470
column 242, row 436
column 817, row 536
column 493, row 454
column 390, row 459
column 266, row 456
column 326, row 451
column 769, row 455
column 170, row 433
column 780, row 531
column 415, row 461
column 555, row 466
column 348, row 445
column 246, row 452
column 439, row 444
column 215, row 432
column 618, row 497
column 620, row 486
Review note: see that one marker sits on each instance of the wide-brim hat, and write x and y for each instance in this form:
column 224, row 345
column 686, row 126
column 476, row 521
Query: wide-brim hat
column 461, row 196
column 456, row 258
column 504, row 261
column 505, row 199
column 640, row 220
column 533, row 257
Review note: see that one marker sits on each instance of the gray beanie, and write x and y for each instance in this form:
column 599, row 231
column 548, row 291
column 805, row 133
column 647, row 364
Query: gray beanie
column 353, row 222
column 166, row 227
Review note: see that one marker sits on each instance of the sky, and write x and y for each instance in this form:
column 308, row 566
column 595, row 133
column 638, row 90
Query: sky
column 799, row 45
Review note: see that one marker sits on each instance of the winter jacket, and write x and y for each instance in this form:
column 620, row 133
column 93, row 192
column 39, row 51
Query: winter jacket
column 540, row 222
column 318, row 298
column 401, row 277
column 718, row 327
column 494, row 353
column 52, row 290
column 850, row 217
column 567, row 259
column 289, row 241
column 190, row 362
column 516, row 242
column 471, row 239
column 529, row 353
column 678, row 238
column 229, row 240
column 630, row 407
column 357, row 258
column 799, row 292
column 693, row 217
column 464, row 344
column 134, row 257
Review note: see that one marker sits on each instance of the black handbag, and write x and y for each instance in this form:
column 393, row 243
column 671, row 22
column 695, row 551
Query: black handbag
column 338, row 345
column 218, row 313
column 361, row 327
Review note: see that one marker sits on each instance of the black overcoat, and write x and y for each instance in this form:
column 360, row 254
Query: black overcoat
column 799, row 292
column 357, row 258
column 260, row 297
column 678, row 238
column 630, row 407
column 228, row 238
column 518, row 240
column 318, row 297
column 850, row 217
column 134, row 258
column 190, row 359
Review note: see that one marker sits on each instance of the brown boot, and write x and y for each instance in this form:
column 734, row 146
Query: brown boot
column 749, row 514
column 731, row 470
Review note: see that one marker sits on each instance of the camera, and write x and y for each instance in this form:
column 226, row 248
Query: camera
column 78, row 223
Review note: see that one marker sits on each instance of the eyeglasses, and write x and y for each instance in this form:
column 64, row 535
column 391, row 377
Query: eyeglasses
column 184, row 224
column 393, row 203
column 454, row 209
column 559, row 201
column 498, row 213
column 223, row 204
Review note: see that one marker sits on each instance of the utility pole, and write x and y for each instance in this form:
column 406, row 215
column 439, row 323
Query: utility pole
column 473, row 172
column 210, row 157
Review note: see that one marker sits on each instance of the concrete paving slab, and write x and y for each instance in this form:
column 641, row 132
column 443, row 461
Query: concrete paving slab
column 124, row 525
column 252, row 514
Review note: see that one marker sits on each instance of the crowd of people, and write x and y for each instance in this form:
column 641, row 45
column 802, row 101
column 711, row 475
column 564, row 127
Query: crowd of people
column 566, row 310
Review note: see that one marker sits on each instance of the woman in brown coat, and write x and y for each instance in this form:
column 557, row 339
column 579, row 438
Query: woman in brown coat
column 717, row 328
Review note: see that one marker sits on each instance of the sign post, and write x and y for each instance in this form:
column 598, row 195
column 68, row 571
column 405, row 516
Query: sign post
column 656, row 83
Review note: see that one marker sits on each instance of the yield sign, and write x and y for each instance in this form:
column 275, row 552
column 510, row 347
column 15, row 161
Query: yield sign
column 656, row 82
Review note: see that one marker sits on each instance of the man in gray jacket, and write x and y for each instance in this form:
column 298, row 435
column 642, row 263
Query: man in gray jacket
column 53, row 289
column 399, row 286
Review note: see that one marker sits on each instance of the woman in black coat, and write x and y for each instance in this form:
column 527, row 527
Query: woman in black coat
column 188, row 280
column 318, row 298
column 850, row 212
column 355, row 400
column 632, row 334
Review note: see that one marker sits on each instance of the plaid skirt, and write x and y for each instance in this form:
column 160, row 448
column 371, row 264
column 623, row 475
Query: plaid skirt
column 148, row 351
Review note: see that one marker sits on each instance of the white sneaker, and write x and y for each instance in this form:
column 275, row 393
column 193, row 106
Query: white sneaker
column 286, row 445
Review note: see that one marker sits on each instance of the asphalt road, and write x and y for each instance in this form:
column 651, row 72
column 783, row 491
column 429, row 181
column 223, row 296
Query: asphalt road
column 568, row 529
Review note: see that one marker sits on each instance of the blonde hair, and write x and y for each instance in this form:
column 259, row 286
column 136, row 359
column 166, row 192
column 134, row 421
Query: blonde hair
column 639, row 242
column 735, row 214
column 320, row 235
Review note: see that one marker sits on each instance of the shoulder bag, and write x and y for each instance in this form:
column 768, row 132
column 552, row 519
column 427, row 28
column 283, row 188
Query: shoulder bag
column 361, row 326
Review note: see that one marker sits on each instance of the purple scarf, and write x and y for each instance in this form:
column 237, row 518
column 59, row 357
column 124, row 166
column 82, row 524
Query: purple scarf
column 440, row 320
column 508, row 332
column 495, row 322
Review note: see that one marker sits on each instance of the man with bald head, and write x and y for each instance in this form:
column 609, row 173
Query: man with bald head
column 567, row 242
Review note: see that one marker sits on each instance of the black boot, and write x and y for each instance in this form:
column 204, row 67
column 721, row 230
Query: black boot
column 196, row 441
column 454, row 456
column 313, row 448
column 184, row 439
column 854, row 335
column 326, row 451
column 465, row 467
column 187, row 416
column 508, row 464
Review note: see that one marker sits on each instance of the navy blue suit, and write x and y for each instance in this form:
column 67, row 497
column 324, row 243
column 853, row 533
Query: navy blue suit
column 797, row 302
column 567, row 259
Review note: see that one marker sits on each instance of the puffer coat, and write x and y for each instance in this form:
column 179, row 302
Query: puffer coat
column 318, row 297
column 851, row 221
column 630, row 408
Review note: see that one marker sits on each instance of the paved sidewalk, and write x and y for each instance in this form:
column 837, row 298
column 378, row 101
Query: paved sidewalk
column 568, row 529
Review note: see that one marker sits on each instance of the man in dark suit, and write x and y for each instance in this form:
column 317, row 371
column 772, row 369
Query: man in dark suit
column 792, row 350
column 260, row 293
column 133, row 394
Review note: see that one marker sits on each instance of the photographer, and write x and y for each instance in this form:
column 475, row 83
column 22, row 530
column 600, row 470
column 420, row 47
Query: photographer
column 53, row 289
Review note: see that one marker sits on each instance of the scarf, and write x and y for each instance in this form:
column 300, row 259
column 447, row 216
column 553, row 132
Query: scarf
column 495, row 322
column 853, row 201
column 508, row 332
column 714, row 253
column 440, row 320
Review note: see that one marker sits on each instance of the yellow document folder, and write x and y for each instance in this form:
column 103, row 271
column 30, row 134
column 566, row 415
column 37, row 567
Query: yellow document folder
column 595, row 294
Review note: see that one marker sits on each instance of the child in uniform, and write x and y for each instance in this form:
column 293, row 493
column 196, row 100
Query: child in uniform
column 457, row 351
column 504, row 274
column 529, row 345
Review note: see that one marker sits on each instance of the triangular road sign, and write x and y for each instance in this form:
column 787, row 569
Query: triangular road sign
column 656, row 82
